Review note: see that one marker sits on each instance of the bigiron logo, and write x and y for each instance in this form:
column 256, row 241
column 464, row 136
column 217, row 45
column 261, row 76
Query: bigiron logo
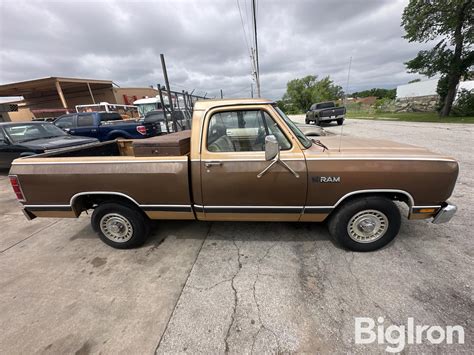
column 326, row 179
column 397, row 336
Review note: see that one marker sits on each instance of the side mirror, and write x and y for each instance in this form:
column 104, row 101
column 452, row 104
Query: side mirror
column 272, row 148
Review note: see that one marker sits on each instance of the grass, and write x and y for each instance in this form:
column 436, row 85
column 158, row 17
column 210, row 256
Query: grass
column 408, row 117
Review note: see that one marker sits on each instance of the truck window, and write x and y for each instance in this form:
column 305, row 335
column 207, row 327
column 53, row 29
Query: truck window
column 325, row 105
column 65, row 122
column 110, row 117
column 85, row 120
column 242, row 131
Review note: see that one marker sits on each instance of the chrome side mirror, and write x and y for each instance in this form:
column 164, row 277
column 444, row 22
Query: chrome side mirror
column 272, row 148
column 272, row 152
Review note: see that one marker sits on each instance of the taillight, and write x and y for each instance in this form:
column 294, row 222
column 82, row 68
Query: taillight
column 141, row 130
column 16, row 187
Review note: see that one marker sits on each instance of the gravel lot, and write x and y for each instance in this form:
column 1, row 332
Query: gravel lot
column 237, row 287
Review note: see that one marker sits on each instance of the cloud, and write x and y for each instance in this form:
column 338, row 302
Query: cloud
column 204, row 43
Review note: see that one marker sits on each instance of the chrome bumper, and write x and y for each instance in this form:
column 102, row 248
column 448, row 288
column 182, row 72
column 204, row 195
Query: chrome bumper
column 445, row 214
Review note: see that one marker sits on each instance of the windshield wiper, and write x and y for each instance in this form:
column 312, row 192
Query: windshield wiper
column 319, row 143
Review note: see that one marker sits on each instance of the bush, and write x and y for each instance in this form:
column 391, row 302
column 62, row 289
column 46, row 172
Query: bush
column 464, row 105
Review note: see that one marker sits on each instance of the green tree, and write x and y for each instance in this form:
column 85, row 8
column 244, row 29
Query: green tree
column 379, row 93
column 303, row 92
column 451, row 24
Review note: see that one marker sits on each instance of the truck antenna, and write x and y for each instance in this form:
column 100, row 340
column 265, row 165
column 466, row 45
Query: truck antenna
column 345, row 100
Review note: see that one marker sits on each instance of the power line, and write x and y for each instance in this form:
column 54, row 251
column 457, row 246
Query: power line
column 243, row 28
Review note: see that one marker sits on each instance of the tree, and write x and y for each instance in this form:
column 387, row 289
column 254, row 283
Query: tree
column 451, row 23
column 302, row 93
column 379, row 93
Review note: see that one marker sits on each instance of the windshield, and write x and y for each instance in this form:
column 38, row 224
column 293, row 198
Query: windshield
column 28, row 131
column 300, row 135
column 145, row 108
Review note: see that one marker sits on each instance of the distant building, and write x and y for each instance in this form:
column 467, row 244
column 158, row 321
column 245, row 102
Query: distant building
column 54, row 96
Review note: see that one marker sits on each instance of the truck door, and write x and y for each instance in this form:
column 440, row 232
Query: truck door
column 233, row 154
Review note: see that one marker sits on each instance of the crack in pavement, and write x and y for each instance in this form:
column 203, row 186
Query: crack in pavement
column 182, row 289
column 262, row 325
column 236, row 299
column 361, row 291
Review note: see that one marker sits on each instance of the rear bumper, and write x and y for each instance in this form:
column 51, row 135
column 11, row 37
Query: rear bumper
column 331, row 118
column 445, row 214
column 29, row 216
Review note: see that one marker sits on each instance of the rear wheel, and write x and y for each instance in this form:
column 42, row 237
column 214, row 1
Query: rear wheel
column 120, row 226
column 366, row 224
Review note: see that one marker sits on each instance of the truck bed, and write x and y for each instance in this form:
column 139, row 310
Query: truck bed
column 69, row 177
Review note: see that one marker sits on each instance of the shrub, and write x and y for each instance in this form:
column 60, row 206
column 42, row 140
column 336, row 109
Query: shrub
column 464, row 105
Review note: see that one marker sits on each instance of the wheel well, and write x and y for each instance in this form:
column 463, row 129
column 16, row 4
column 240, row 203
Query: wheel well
column 89, row 201
column 391, row 195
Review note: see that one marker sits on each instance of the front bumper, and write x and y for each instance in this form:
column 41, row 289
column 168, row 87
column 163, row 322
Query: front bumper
column 445, row 214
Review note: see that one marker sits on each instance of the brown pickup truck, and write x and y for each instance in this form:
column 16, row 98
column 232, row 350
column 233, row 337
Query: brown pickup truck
column 245, row 160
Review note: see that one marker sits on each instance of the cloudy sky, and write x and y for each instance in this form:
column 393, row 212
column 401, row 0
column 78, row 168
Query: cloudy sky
column 204, row 42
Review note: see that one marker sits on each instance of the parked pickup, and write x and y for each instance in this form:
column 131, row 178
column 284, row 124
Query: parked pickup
column 105, row 126
column 325, row 112
column 247, row 161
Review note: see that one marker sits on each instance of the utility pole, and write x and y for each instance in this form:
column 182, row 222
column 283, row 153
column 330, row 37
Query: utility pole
column 251, row 90
column 168, row 90
column 257, row 67
column 222, row 95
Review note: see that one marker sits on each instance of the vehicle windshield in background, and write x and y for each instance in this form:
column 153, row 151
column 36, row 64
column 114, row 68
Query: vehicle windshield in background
column 27, row 132
column 300, row 135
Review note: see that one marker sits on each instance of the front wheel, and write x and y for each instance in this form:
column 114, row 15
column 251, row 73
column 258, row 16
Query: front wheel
column 366, row 224
column 316, row 122
column 120, row 226
column 340, row 121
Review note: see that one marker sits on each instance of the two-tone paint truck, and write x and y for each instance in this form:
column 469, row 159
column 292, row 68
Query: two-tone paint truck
column 245, row 161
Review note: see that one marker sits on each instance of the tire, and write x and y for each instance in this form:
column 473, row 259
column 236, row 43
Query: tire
column 340, row 122
column 316, row 122
column 307, row 121
column 349, row 221
column 133, row 225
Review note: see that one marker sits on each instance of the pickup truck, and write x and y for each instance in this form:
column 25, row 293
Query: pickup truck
column 247, row 161
column 325, row 112
column 105, row 126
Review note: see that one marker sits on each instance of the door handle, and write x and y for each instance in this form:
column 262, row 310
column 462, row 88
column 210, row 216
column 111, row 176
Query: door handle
column 212, row 163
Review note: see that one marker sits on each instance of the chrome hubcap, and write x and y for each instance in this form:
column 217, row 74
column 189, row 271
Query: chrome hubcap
column 367, row 226
column 116, row 227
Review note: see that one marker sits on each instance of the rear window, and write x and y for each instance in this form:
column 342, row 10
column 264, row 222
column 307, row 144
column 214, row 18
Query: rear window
column 85, row 120
column 326, row 105
column 110, row 116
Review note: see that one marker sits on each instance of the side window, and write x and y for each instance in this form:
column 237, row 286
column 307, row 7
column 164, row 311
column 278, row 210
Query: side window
column 242, row 131
column 85, row 120
column 65, row 122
